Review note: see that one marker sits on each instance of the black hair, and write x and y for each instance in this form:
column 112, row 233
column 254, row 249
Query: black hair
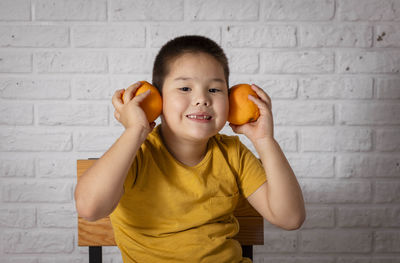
column 182, row 45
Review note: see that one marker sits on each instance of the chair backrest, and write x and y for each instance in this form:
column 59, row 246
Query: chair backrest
column 100, row 232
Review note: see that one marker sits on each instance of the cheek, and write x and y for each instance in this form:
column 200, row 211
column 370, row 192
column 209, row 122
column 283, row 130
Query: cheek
column 174, row 106
column 223, row 107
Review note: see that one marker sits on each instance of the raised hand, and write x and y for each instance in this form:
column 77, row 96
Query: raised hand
column 264, row 126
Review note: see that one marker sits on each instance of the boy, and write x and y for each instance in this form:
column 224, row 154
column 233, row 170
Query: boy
column 171, row 190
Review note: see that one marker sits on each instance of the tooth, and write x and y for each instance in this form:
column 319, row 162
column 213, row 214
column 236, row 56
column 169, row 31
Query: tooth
column 203, row 117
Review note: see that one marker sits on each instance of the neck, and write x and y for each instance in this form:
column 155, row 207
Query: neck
column 185, row 151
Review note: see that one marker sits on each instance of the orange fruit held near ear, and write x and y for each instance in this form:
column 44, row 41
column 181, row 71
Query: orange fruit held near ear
column 241, row 109
column 152, row 104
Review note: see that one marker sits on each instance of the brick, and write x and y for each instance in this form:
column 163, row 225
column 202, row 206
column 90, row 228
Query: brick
column 387, row 36
column 388, row 140
column 297, row 62
column 37, row 242
column 108, row 36
column 131, row 62
column 366, row 166
column 369, row 113
column 19, row 260
column 32, row 140
column 34, row 36
column 387, row 192
column 243, row 62
column 15, row 62
column 143, row 10
column 223, row 10
column 305, row 10
column 159, row 35
column 375, row 259
column 353, row 259
column 316, row 35
column 260, row 36
column 79, row 259
column 71, row 62
column 95, row 141
column 319, row 217
column 34, row 88
column 287, row 140
column 278, row 241
column 368, row 217
column 336, row 139
column 386, row 217
column 336, row 241
column 17, row 217
column 387, row 259
column 15, row 10
column 329, row 191
column 368, row 61
column 60, row 217
column 302, row 113
column 387, row 241
column 37, row 192
column 17, row 168
column 336, row 88
column 73, row 114
column 368, row 10
column 296, row 259
column 112, row 250
column 309, row 166
column 56, row 168
column 354, row 217
column 93, row 88
column 16, row 113
column 277, row 88
column 64, row 10
column 388, row 88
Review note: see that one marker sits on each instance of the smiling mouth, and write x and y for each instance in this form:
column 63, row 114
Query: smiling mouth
column 199, row 117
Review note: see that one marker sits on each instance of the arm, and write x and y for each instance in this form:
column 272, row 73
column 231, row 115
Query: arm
column 279, row 200
column 100, row 188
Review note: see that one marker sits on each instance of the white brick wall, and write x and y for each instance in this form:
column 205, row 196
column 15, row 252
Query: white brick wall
column 332, row 68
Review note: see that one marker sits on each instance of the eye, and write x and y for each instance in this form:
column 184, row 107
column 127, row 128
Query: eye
column 184, row 89
column 214, row 90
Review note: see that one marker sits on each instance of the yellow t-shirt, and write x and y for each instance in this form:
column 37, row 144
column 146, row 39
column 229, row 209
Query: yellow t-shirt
column 171, row 212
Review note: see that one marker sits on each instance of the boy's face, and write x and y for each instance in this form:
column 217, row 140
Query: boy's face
column 195, row 97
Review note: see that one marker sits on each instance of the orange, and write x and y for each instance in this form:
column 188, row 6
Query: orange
column 241, row 109
column 152, row 104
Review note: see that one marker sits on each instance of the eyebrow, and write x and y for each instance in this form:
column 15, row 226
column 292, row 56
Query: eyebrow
column 187, row 78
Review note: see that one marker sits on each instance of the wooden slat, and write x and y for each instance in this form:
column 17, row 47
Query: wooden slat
column 100, row 233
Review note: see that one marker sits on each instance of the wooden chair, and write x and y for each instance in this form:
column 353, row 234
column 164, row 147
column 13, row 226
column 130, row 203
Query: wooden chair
column 97, row 234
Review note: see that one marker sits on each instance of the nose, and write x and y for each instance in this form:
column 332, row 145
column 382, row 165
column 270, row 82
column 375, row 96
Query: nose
column 202, row 99
column 199, row 103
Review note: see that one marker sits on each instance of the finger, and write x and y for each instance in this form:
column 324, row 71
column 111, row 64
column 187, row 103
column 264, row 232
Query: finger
column 262, row 94
column 116, row 99
column 130, row 91
column 139, row 98
column 262, row 105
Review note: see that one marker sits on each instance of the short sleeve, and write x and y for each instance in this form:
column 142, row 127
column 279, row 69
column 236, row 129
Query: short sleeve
column 251, row 173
